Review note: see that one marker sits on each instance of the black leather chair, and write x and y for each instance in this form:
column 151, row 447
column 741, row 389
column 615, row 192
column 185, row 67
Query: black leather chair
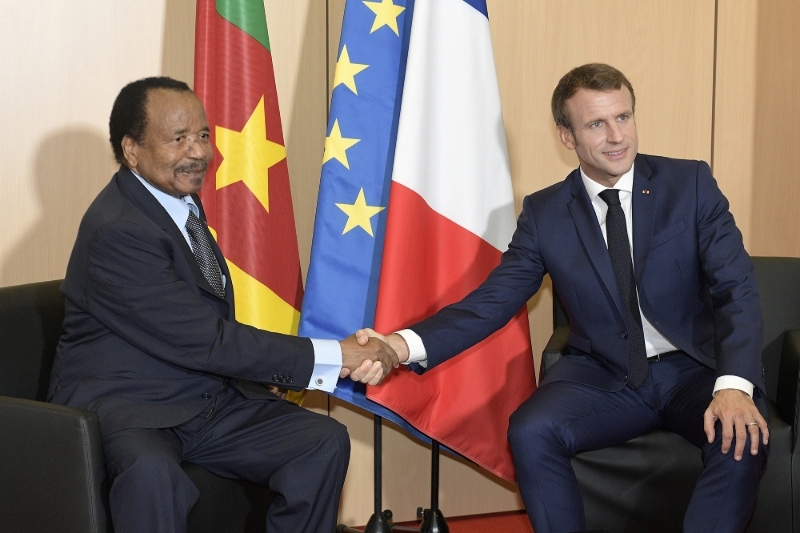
column 52, row 473
column 645, row 484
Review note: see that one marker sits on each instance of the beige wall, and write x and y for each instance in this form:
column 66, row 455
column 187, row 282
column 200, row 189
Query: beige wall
column 714, row 80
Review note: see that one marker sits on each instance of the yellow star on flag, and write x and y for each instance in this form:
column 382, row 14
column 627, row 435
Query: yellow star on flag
column 359, row 213
column 346, row 71
column 386, row 14
column 336, row 146
column 248, row 155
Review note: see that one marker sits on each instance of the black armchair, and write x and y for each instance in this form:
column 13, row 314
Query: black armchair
column 645, row 484
column 52, row 473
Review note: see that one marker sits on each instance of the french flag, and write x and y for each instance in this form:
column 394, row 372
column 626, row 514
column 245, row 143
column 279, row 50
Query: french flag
column 450, row 217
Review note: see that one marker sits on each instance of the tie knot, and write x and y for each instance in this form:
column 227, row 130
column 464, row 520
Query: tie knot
column 610, row 196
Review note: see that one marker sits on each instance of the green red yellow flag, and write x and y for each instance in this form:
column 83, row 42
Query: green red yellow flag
column 246, row 196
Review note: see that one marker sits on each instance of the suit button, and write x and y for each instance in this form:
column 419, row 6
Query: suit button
column 623, row 335
column 289, row 380
column 274, row 377
column 206, row 396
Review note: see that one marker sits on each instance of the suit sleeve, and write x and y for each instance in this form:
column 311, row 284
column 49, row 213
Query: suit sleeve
column 731, row 282
column 135, row 290
column 489, row 307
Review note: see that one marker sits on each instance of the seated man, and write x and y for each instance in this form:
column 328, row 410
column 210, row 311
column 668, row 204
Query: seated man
column 151, row 344
column 665, row 321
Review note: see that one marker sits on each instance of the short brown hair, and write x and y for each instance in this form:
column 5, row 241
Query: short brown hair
column 592, row 76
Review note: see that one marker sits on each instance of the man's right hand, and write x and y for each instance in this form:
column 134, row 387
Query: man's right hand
column 368, row 362
column 397, row 342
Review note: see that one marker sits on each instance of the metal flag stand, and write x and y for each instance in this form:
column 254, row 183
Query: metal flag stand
column 380, row 522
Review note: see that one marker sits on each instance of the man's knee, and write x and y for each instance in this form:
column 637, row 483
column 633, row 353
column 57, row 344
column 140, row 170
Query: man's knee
column 529, row 427
column 324, row 452
column 325, row 437
column 748, row 467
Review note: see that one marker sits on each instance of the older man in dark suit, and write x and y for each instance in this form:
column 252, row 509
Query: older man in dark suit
column 665, row 322
column 151, row 344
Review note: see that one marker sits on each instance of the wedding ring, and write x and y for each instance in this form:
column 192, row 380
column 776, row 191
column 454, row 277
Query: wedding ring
column 751, row 424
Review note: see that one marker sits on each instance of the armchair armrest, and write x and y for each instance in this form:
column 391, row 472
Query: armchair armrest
column 51, row 459
column 556, row 347
column 788, row 378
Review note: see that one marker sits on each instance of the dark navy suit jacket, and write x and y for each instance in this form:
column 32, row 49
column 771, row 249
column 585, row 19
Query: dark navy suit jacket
column 146, row 341
column 695, row 280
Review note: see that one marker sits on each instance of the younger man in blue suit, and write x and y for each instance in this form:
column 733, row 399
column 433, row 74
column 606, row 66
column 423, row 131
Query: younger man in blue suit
column 665, row 322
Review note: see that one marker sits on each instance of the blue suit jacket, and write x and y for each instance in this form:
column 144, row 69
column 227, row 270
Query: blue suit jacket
column 695, row 280
column 146, row 340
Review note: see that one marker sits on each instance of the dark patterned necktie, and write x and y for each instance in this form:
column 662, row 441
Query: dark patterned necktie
column 620, row 251
column 204, row 254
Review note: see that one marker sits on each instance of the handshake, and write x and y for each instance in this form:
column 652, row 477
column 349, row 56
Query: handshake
column 368, row 356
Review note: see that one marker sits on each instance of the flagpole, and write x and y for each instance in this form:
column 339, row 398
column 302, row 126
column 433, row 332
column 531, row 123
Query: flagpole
column 377, row 522
column 432, row 519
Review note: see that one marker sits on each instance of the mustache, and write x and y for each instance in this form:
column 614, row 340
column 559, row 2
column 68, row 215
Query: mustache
column 193, row 167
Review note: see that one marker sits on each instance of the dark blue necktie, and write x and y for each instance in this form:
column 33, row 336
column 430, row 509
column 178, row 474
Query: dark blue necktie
column 620, row 251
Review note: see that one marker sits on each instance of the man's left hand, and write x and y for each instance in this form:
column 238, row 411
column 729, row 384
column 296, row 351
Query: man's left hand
column 739, row 416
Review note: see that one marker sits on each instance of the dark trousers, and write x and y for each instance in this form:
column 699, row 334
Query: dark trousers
column 564, row 418
column 300, row 455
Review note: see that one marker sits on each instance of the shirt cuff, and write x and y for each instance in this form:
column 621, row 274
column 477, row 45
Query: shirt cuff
column 327, row 365
column 416, row 350
column 733, row 382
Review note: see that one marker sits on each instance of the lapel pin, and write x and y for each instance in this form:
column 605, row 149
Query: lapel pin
column 645, row 191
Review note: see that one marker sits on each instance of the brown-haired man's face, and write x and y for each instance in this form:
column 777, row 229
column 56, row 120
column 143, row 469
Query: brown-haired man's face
column 174, row 153
column 603, row 133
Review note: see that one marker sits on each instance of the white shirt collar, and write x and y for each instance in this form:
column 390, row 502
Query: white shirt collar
column 177, row 208
column 593, row 188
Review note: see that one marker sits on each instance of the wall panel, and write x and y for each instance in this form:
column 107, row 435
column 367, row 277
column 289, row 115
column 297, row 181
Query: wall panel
column 756, row 121
column 734, row 108
column 298, row 37
column 776, row 187
column 64, row 64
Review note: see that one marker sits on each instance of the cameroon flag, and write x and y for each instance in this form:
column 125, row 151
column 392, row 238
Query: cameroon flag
column 246, row 195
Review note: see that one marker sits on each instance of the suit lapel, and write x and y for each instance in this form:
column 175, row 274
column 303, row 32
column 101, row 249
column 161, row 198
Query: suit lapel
column 147, row 203
column 588, row 229
column 643, row 202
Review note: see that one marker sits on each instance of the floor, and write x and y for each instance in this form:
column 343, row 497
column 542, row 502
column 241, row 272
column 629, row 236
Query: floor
column 509, row 522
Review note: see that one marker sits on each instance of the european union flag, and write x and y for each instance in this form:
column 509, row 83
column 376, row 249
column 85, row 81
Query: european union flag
column 342, row 284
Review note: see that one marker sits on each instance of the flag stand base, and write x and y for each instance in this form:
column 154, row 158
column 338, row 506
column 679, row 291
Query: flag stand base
column 432, row 519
